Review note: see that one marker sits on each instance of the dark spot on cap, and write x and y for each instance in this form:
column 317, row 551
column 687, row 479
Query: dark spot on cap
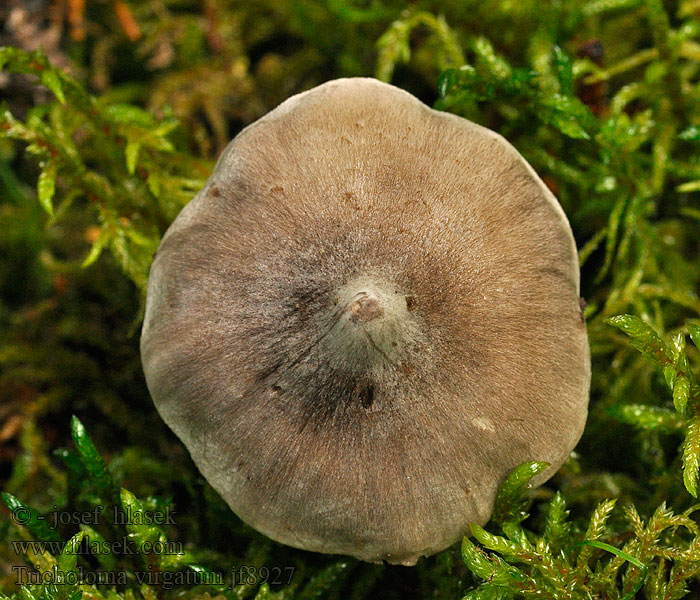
column 365, row 309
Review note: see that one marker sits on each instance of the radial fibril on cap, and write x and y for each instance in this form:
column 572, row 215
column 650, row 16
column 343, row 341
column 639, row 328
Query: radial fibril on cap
column 366, row 318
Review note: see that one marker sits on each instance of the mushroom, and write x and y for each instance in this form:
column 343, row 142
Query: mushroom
column 364, row 320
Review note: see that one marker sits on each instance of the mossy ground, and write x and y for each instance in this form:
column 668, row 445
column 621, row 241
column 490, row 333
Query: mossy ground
column 111, row 129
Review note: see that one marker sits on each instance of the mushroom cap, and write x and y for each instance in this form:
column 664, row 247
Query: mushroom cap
column 364, row 320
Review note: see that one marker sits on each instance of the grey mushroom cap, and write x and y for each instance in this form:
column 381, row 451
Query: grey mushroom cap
column 364, row 320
